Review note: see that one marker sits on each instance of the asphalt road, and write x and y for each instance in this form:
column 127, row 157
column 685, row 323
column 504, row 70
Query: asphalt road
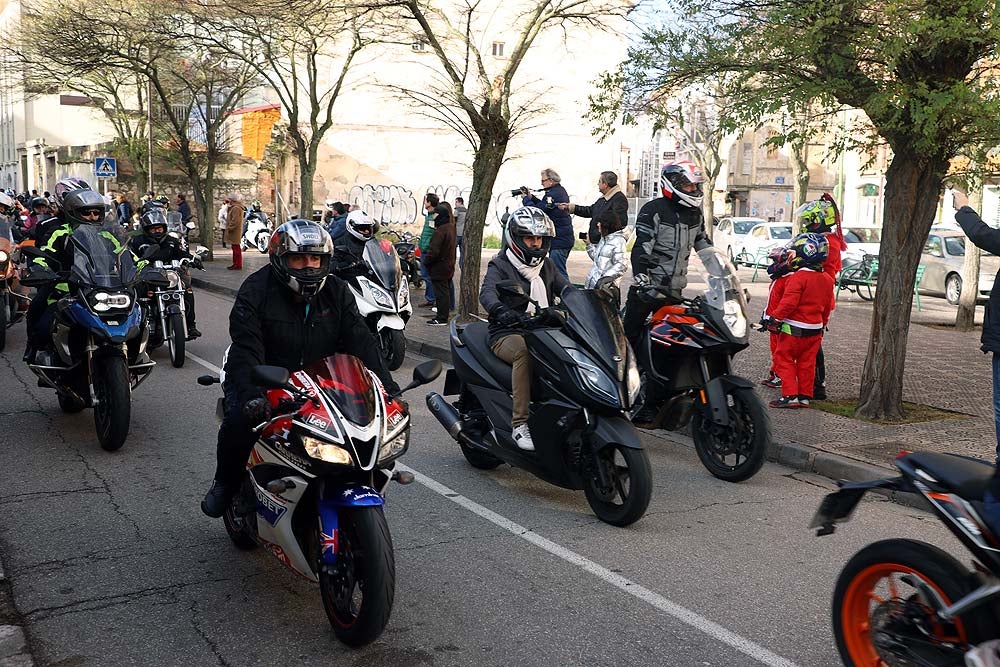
column 113, row 563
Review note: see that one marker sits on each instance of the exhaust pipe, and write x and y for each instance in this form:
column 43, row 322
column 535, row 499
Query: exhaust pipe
column 445, row 414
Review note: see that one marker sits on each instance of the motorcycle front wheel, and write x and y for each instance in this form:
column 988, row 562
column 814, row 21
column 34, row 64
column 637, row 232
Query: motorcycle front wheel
column 393, row 346
column 239, row 530
column 358, row 590
column 735, row 452
column 631, row 485
column 113, row 412
column 880, row 614
column 176, row 339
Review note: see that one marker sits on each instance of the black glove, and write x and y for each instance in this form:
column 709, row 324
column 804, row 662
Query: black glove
column 509, row 318
column 553, row 317
column 257, row 410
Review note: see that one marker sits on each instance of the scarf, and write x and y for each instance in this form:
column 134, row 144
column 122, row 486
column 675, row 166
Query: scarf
column 532, row 274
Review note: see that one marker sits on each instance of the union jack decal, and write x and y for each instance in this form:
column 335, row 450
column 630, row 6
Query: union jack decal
column 328, row 542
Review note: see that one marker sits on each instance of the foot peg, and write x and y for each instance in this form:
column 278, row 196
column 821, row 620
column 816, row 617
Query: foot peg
column 402, row 476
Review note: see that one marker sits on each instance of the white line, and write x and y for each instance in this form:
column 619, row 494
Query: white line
column 682, row 614
column 198, row 360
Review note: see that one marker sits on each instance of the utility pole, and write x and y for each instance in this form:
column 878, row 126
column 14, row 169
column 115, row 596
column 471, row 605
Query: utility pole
column 149, row 133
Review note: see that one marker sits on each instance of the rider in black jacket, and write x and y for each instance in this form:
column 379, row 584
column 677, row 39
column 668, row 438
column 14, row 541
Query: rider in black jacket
column 290, row 314
column 349, row 249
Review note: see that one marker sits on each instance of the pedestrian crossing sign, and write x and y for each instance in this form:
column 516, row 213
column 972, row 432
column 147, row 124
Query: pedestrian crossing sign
column 106, row 167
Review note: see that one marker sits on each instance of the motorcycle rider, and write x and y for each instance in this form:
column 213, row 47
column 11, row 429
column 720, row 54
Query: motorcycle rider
column 290, row 313
column 666, row 229
column 40, row 211
column 349, row 249
column 523, row 259
column 167, row 248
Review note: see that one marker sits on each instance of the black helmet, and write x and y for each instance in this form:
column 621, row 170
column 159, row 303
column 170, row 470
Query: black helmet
column 154, row 218
column 37, row 202
column 67, row 185
column 301, row 237
column 77, row 204
column 528, row 221
column 164, row 200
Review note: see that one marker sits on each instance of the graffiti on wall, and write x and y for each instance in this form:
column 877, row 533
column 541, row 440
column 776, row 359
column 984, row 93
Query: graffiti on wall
column 388, row 204
column 448, row 193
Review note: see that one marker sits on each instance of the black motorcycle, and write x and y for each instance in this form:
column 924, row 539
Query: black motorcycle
column 902, row 602
column 585, row 378
column 688, row 349
column 406, row 248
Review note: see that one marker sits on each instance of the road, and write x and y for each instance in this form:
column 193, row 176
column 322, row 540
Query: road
column 113, row 563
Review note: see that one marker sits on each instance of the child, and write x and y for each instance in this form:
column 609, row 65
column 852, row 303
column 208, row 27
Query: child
column 801, row 315
column 609, row 254
column 780, row 267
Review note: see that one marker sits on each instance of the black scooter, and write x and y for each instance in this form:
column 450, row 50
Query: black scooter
column 585, row 379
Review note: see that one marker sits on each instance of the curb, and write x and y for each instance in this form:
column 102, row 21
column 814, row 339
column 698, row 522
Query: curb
column 212, row 287
column 14, row 649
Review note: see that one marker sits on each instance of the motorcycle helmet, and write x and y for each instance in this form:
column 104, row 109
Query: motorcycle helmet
column 528, row 221
column 68, row 185
column 816, row 216
column 84, row 207
column 7, row 206
column 985, row 655
column 154, row 224
column 781, row 261
column 163, row 200
column 677, row 176
column 255, row 206
column 301, row 237
column 359, row 225
column 810, row 249
column 37, row 203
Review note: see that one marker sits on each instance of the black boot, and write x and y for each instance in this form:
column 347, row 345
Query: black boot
column 217, row 499
column 189, row 311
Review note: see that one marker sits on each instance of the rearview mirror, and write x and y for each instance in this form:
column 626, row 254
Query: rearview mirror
column 272, row 377
column 154, row 278
column 38, row 277
column 201, row 251
column 427, row 372
column 514, row 293
column 190, row 225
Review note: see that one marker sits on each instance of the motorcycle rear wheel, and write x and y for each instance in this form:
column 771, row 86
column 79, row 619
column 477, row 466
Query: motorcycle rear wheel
column 113, row 412
column 176, row 339
column 632, row 486
column 358, row 591
column 871, row 599
column 738, row 454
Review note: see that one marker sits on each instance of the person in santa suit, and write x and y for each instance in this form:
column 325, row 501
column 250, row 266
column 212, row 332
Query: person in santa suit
column 823, row 217
column 800, row 317
column 779, row 269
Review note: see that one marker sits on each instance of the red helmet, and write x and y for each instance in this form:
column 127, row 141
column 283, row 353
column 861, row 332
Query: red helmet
column 676, row 179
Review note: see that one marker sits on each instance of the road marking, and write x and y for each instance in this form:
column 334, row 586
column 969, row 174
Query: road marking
column 697, row 621
column 682, row 614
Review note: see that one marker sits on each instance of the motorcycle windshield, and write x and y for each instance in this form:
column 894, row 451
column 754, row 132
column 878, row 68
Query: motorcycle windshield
column 101, row 258
column 174, row 223
column 720, row 277
column 594, row 321
column 381, row 256
column 345, row 382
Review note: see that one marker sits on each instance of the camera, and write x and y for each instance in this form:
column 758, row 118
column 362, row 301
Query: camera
column 584, row 236
column 515, row 193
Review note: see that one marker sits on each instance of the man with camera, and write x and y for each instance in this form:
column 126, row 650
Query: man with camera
column 554, row 194
column 612, row 198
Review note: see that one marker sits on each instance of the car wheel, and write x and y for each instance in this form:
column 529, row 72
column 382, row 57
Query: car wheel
column 953, row 288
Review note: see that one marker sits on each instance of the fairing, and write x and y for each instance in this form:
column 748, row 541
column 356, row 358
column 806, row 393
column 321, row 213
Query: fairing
column 384, row 262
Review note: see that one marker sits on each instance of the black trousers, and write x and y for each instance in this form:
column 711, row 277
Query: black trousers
column 442, row 299
column 820, row 370
column 236, row 439
column 38, row 318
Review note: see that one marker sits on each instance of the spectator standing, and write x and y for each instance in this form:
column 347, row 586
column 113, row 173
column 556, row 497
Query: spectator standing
column 440, row 261
column 184, row 209
column 612, row 198
column 431, row 201
column 337, row 225
column 554, row 194
column 123, row 211
column 234, row 227
column 221, row 219
column 460, row 213
column 610, row 260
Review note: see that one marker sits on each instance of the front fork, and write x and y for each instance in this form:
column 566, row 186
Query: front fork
column 333, row 497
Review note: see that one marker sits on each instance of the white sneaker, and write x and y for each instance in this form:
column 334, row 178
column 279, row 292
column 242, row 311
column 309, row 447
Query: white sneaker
column 522, row 438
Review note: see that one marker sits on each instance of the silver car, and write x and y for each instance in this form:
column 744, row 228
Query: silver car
column 942, row 259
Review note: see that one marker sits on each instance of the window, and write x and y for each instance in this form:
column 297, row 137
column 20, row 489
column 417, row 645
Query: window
column 955, row 245
column 724, row 226
column 419, row 46
column 498, row 49
column 781, row 232
column 759, row 232
column 933, row 247
column 744, row 227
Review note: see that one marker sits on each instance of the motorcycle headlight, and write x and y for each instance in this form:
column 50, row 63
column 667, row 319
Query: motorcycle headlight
column 103, row 301
column 380, row 296
column 173, row 278
column 394, row 447
column 3, row 256
column 324, row 451
column 403, row 296
column 593, row 378
column 633, row 380
column 732, row 315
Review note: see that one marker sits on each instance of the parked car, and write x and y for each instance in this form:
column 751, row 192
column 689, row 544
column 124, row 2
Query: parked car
column 942, row 258
column 762, row 237
column 861, row 240
column 730, row 234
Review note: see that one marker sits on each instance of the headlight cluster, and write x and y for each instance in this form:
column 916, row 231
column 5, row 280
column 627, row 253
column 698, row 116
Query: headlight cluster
column 403, row 296
column 634, row 381
column 173, row 278
column 104, row 301
column 3, row 256
column 734, row 318
column 393, row 447
column 380, row 296
column 324, row 451
column 593, row 377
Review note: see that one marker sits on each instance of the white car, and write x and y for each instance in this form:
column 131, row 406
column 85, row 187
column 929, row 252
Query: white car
column 730, row 233
column 763, row 237
column 861, row 240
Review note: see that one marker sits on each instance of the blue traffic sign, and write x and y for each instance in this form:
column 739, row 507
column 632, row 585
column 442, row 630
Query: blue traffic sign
column 106, row 167
column 779, row 180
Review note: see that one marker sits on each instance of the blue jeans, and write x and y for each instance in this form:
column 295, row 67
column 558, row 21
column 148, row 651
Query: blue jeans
column 996, row 400
column 559, row 258
column 428, row 288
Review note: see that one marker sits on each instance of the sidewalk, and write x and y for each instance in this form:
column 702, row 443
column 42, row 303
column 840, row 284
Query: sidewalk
column 944, row 369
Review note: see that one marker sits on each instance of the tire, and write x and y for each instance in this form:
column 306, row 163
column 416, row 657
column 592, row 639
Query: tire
column 737, row 454
column 366, row 565
column 853, row 601
column 176, row 339
column 70, row 406
column 479, row 460
column 635, row 473
column 262, row 241
column 112, row 414
column 236, row 525
column 952, row 288
column 392, row 344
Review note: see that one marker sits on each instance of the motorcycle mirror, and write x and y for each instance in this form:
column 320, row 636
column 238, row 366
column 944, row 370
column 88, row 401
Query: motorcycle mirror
column 514, row 291
column 190, row 225
column 150, row 250
column 154, row 278
column 38, row 277
column 31, row 251
column 208, row 380
column 201, row 251
column 272, row 377
column 427, row 372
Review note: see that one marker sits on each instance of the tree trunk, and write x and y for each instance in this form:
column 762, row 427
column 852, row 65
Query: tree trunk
column 800, row 179
column 965, row 318
column 307, row 172
column 913, row 185
column 485, row 167
column 708, row 206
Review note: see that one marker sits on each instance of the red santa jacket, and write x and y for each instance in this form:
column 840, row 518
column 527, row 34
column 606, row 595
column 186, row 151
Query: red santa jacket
column 774, row 294
column 833, row 263
column 807, row 300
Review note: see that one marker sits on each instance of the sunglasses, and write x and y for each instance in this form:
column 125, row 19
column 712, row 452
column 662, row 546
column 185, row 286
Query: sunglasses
column 91, row 213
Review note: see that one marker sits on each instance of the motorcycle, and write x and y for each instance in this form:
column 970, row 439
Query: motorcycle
column 585, row 378
column 313, row 491
column 98, row 331
column 903, row 602
column 12, row 302
column 688, row 349
column 257, row 232
column 383, row 297
column 409, row 256
column 164, row 306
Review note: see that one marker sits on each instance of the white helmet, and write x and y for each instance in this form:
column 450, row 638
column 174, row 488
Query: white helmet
column 984, row 655
column 360, row 226
column 329, row 204
column 675, row 176
column 7, row 205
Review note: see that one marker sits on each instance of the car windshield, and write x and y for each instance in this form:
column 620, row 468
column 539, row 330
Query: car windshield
column 101, row 257
column 381, row 256
column 594, row 321
column 744, row 226
column 955, row 245
column 720, row 276
column 344, row 380
column 861, row 235
column 781, row 232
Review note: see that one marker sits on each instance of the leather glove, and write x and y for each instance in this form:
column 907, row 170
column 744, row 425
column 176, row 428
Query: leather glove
column 509, row 318
column 257, row 410
column 553, row 317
